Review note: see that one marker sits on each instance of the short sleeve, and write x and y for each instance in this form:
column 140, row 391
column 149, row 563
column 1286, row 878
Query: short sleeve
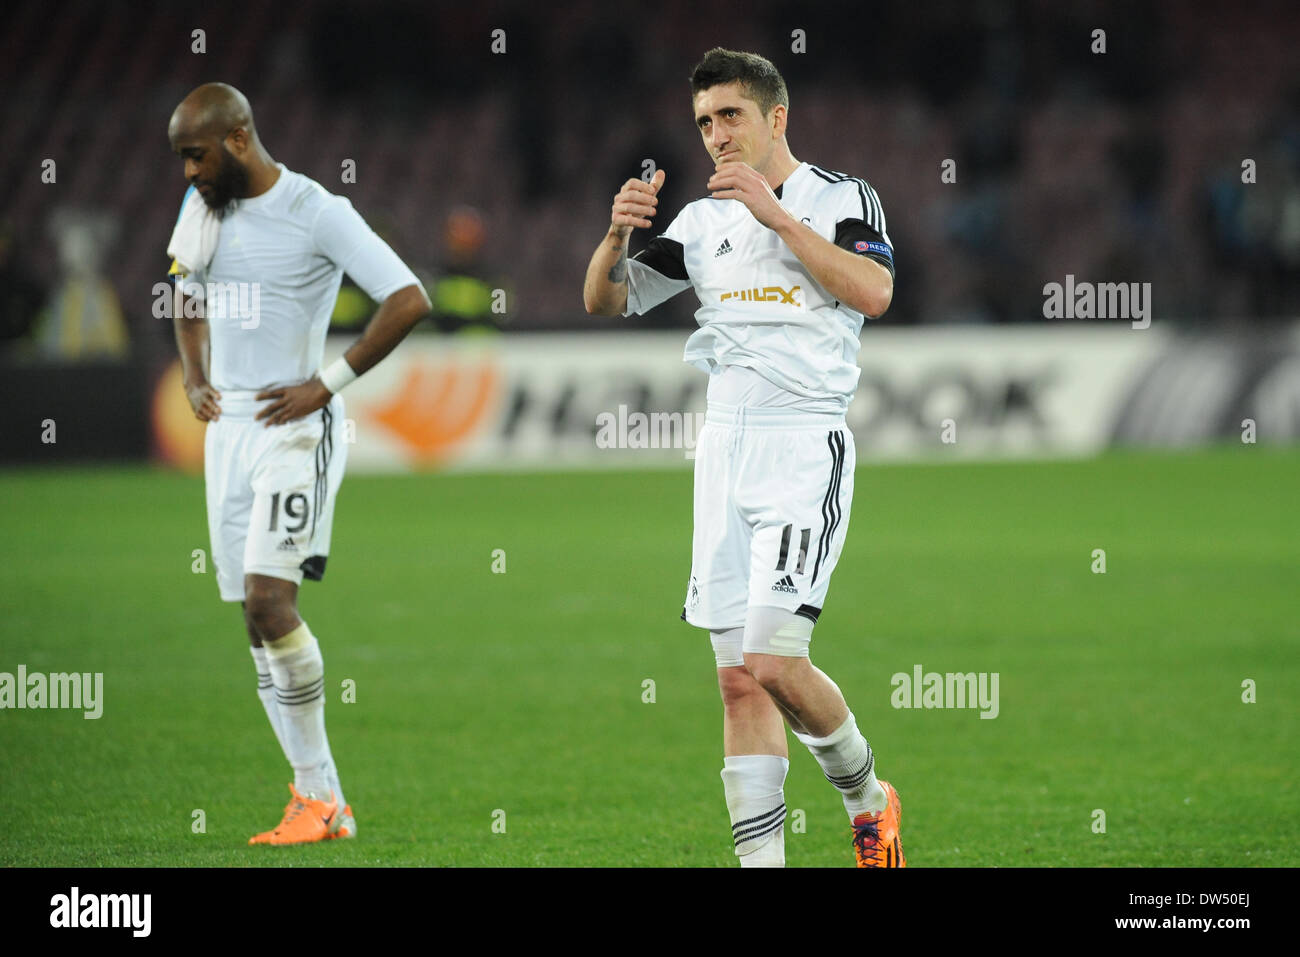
column 344, row 238
column 860, row 224
column 658, row 272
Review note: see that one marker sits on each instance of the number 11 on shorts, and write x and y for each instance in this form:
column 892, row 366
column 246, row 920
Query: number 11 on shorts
column 805, row 535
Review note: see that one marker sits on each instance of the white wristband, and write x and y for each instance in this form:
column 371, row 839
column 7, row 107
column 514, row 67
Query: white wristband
column 337, row 375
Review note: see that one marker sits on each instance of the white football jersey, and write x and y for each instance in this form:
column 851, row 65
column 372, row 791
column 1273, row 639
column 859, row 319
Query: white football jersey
column 760, row 308
column 273, row 281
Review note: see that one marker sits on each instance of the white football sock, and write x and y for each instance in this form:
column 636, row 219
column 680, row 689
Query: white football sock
column 754, row 785
column 332, row 775
column 266, row 693
column 298, row 674
column 848, row 763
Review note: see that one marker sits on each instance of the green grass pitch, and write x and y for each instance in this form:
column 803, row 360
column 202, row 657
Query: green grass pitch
column 523, row 692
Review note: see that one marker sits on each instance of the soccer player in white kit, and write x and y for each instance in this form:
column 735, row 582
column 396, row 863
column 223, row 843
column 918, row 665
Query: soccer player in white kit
column 786, row 260
column 274, row 450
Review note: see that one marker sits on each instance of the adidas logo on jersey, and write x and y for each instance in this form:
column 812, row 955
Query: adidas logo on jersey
column 723, row 249
column 786, row 585
column 288, row 545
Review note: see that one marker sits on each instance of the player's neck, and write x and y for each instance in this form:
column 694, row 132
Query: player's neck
column 263, row 174
column 779, row 170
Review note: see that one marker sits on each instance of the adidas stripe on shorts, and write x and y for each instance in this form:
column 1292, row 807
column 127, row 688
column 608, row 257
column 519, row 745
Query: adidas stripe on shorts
column 773, row 488
column 271, row 492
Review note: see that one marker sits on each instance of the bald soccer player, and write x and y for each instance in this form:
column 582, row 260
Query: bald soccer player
column 786, row 259
column 262, row 250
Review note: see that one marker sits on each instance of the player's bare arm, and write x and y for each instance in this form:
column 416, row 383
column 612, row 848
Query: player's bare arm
column 396, row 317
column 192, row 342
column 604, row 293
column 854, row 280
column 857, row 281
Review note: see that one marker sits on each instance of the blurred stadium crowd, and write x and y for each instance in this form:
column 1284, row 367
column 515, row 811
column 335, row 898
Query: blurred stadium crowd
column 495, row 170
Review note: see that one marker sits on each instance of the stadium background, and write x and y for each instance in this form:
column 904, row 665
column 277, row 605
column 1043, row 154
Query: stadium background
column 494, row 171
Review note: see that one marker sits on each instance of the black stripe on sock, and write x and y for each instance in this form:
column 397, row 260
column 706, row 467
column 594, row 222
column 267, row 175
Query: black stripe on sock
column 770, row 829
column 763, row 816
column 861, row 772
column 302, row 694
column 770, row 820
column 295, row 702
column 849, row 785
column 759, row 830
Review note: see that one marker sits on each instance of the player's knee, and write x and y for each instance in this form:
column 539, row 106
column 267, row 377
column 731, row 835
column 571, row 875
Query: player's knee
column 778, row 675
column 768, row 671
column 254, row 635
column 738, row 687
column 269, row 606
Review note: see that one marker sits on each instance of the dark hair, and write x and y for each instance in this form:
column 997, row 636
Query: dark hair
column 755, row 74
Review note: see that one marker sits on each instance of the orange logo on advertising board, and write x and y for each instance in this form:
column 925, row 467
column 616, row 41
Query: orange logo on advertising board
column 435, row 410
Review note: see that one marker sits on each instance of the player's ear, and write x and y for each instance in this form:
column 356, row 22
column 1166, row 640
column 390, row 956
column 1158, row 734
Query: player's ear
column 778, row 120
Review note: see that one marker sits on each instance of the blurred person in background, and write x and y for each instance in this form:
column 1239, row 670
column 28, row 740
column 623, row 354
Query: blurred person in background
column 464, row 290
column 83, row 319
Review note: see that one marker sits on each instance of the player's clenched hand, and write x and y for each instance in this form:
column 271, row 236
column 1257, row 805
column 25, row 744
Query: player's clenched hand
column 733, row 179
column 203, row 400
column 291, row 402
column 636, row 203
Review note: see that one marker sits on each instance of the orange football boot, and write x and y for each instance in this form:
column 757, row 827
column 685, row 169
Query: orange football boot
column 875, row 836
column 306, row 820
column 343, row 825
column 265, row 836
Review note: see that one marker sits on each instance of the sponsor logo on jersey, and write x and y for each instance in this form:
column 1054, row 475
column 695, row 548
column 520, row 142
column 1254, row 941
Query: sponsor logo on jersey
column 776, row 294
column 723, row 249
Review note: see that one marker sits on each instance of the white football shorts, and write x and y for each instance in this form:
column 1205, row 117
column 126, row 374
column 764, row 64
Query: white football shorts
column 271, row 492
column 773, row 489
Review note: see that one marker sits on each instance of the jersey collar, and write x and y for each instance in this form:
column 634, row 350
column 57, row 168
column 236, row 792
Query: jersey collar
column 795, row 172
column 255, row 201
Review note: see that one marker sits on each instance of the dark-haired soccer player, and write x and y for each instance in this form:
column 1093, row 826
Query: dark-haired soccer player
column 786, row 260
column 263, row 249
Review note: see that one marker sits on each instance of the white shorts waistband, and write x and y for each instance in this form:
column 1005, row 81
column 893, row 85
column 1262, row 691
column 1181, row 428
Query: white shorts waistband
column 776, row 419
column 239, row 404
